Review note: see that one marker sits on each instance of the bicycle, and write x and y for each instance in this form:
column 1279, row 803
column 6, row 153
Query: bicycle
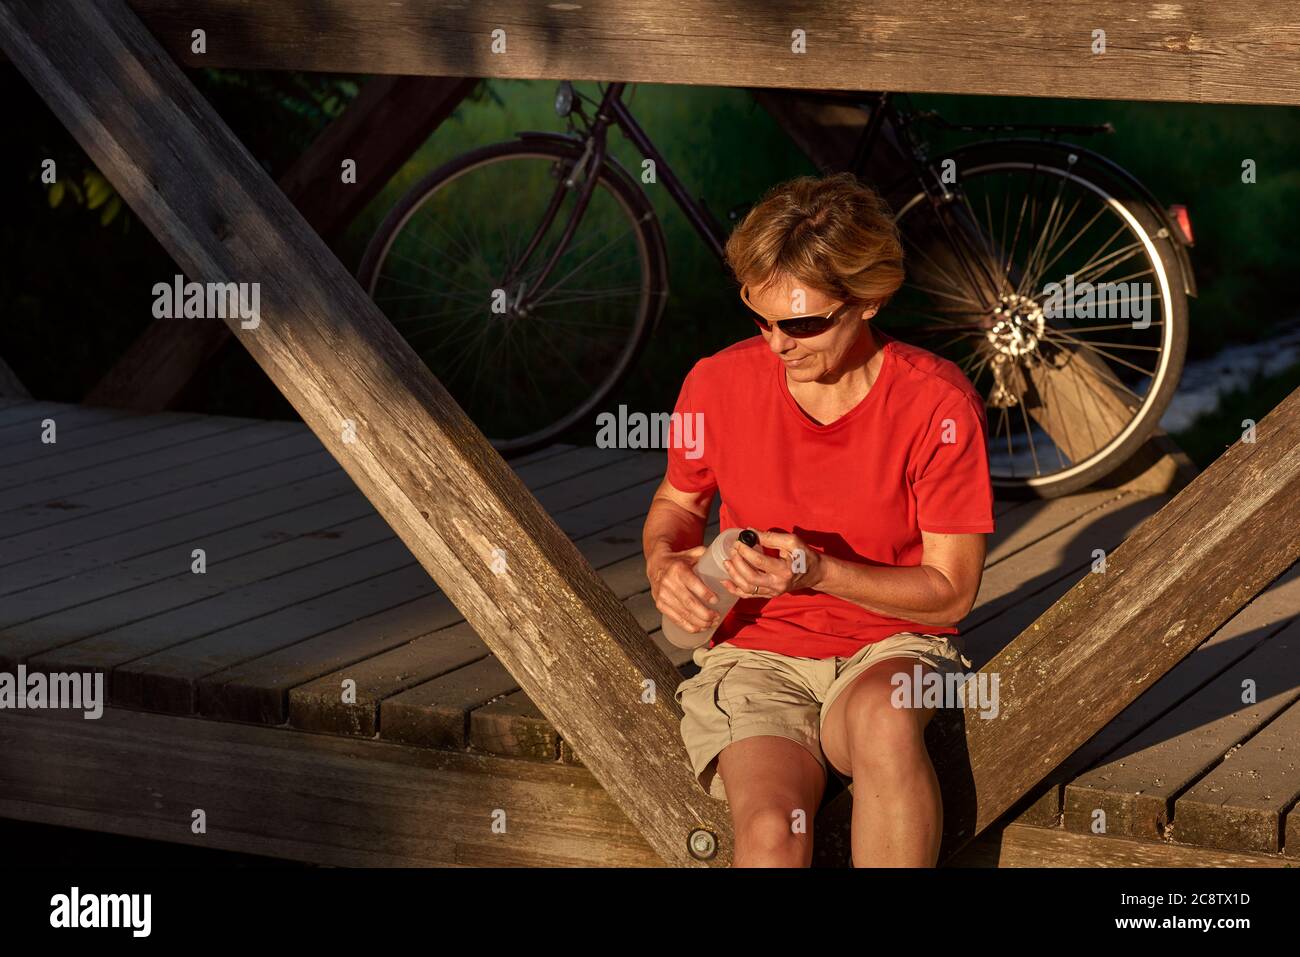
column 508, row 318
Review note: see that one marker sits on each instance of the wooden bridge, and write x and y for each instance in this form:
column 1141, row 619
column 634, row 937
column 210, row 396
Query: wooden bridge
column 226, row 689
column 320, row 698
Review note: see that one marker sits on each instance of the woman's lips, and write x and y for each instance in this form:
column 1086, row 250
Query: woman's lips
column 792, row 362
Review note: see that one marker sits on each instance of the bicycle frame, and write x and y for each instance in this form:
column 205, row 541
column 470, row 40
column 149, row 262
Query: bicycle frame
column 965, row 238
column 613, row 110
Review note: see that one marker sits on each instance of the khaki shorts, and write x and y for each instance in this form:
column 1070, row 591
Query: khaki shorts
column 742, row 692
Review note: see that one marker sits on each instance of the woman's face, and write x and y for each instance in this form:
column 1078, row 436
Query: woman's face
column 822, row 357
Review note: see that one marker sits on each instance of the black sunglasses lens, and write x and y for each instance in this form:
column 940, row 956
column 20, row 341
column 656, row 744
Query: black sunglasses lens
column 803, row 328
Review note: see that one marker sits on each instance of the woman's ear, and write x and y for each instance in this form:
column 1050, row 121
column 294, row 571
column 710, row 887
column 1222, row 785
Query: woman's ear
column 870, row 309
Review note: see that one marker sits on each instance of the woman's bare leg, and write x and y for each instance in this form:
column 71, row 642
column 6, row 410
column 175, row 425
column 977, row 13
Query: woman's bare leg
column 769, row 781
column 897, row 810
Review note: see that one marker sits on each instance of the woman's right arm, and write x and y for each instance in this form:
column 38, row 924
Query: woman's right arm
column 673, row 542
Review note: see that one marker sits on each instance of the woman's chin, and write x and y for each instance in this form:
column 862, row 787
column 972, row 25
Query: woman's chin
column 804, row 371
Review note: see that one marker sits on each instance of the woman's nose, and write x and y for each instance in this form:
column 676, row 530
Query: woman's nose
column 779, row 341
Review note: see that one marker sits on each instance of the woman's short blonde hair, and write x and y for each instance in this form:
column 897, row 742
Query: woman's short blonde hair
column 832, row 233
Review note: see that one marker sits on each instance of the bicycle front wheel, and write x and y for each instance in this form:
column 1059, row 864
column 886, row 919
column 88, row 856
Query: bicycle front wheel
column 1066, row 310
column 450, row 264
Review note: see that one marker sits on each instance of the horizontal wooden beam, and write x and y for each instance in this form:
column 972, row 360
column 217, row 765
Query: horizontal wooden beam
column 306, row 797
column 1199, row 51
column 1021, row 845
column 374, row 803
column 465, row 515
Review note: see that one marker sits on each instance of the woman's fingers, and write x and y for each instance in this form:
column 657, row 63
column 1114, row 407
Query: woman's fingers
column 696, row 587
column 762, row 564
column 684, row 623
column 739, row 592
column 743, row 577
column 781, row 541
column 691, row 599
column 685, row 616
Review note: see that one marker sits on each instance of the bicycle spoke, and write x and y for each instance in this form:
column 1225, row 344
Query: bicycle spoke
column 939, row 273
column 1078, row 234
column 423, row 268
column 576, row 268
column 1041, row 221
column 1104, row 353
column 1039, row 248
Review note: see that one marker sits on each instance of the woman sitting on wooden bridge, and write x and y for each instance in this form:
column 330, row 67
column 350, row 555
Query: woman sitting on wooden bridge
column 862, row 462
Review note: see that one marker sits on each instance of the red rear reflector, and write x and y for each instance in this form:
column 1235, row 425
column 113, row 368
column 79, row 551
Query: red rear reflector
column 1183, row 220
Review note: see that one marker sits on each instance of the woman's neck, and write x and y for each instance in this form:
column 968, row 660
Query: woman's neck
column 843, row 387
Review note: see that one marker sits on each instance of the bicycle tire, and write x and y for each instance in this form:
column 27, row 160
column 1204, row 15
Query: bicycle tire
column 979, row 158
column 644, row 224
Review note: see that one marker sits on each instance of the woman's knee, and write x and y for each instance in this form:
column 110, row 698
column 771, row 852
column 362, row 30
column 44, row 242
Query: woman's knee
column 772, row 829
column 880, row 735
column 774, row 787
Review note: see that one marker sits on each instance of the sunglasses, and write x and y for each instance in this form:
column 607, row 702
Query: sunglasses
column 796, row 327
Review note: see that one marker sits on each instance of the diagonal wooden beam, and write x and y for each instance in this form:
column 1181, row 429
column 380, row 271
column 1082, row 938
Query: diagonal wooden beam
column 465, row 515
column 573, row 649
column 1182, row 574
column 380, row 129
column 387, row 122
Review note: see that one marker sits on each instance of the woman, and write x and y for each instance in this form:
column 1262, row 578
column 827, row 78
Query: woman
column 862, row 463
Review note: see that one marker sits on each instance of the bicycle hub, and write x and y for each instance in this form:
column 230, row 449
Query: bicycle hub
column 1018, row 325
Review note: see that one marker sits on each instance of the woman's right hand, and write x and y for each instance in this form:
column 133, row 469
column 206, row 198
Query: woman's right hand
column 679, row 593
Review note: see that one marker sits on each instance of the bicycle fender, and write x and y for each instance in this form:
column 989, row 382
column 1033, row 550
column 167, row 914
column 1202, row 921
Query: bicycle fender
column 1108, row 166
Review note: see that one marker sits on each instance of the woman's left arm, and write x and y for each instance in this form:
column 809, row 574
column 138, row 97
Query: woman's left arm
column 940, row 591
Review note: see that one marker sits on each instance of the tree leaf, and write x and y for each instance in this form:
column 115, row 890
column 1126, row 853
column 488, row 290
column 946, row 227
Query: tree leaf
column 110, row 210
column 98, row 190
column 55, row 194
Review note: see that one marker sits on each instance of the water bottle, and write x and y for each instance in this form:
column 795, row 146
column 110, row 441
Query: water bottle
column 712, row 573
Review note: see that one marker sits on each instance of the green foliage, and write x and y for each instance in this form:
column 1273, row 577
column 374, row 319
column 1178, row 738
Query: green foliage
column 722, row 145
column 95, row 192
column 728, row 149
column 313, row 97
column 1210, row 435
column 63, row 335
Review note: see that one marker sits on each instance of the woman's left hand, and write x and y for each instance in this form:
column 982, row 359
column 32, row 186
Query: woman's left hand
column 756, row 575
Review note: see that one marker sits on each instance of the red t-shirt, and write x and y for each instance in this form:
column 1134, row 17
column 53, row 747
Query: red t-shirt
column 910, row 457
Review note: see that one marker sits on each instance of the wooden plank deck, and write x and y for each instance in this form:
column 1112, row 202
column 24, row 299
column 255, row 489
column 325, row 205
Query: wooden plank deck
column 315, row 639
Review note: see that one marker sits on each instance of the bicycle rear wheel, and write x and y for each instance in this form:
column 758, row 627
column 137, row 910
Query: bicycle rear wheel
column 448, row 267
column 1063, row 302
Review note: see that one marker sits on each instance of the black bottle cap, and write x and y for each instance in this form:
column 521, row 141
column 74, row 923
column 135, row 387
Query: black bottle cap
column 749, row 538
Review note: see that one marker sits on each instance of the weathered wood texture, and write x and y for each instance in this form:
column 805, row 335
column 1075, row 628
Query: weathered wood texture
column 104, row 584
column 1242, row 802
column 372, row 803
column 431, row 474
column 1020, row 845
column 1273, row 610
column 1198, row 51
column 305, row 797
column 380, row 129
column 1136, row 789
column 1180, row 576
